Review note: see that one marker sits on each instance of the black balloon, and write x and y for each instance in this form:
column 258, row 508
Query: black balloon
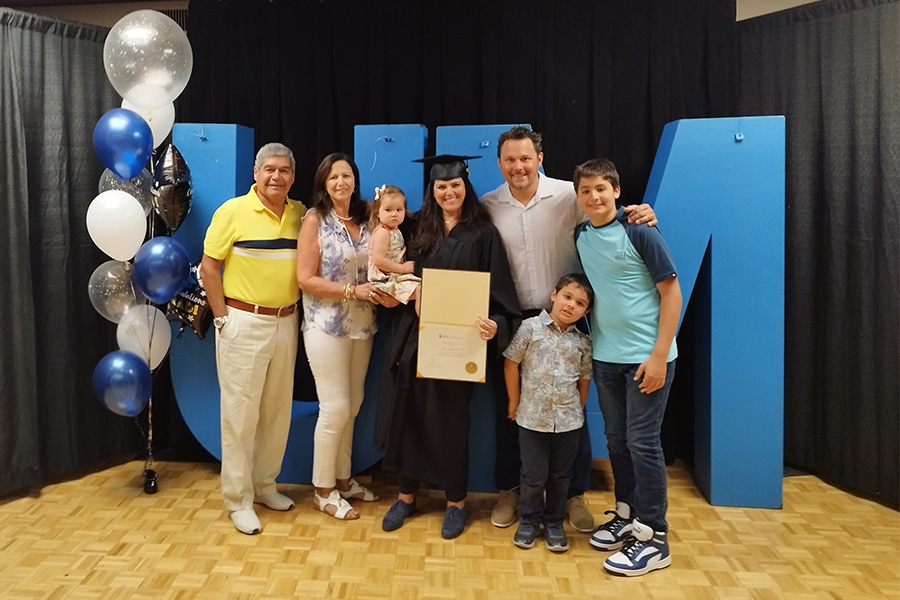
column 190, row 305
column 171, row 187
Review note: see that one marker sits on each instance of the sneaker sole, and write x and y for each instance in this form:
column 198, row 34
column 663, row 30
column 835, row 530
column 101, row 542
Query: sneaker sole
column 606, row 545
column 635, row 572
column 524, row 545
column 585, row 529
column 558, row 549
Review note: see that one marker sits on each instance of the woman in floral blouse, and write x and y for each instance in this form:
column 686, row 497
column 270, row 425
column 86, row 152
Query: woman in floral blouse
column 338, row 324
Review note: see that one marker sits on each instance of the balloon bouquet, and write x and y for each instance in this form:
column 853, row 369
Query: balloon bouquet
column 148, row 60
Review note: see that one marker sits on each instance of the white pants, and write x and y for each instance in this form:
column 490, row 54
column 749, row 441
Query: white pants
column 339, row 367
column 255, row 357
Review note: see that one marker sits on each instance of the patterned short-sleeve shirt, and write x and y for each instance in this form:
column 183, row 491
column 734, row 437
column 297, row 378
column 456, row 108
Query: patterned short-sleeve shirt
column 551, row 363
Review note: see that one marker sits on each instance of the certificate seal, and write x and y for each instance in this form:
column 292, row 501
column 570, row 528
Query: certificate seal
column 471, row 367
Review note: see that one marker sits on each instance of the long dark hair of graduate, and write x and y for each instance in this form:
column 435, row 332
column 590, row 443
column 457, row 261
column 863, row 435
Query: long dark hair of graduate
column 429, row 233
column 321, row 201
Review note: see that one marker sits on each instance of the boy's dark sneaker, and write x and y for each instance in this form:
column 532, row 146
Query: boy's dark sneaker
column 525, row 535
column 646, row 551
column 397, row 513
column 556, row 538
column 612, row 534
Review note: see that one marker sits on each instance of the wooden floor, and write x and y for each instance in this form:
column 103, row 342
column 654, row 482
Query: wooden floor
column 101, row 537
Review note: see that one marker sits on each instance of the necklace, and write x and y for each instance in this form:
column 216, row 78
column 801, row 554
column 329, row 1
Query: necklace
column 342, row 218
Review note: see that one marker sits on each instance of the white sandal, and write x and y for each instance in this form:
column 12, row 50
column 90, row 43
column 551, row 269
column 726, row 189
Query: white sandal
column 358, row 492
column 342, row 508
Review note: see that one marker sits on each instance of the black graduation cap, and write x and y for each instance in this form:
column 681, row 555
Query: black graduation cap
column 446, row 166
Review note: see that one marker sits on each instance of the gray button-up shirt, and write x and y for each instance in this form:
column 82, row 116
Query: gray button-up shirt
column 551, row 363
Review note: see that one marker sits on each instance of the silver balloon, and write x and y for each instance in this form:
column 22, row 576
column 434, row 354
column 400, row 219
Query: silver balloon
column 112, row 290
column 139, row 187
column 147, row 58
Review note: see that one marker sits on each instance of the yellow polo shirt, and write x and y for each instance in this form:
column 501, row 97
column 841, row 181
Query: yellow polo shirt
column 259, row 250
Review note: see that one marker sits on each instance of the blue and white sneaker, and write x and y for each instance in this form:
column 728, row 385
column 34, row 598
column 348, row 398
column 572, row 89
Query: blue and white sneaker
column 612, row 534
column 646, row 551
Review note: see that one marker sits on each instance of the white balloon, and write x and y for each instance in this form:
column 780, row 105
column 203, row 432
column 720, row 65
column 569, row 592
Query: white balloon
column 148, row 58
column 159, row 119
column 139, row 187
column 145, row 331
column 117, row 224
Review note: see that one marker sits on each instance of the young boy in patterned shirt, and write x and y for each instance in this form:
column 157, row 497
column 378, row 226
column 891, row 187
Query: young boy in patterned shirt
column 548, row 374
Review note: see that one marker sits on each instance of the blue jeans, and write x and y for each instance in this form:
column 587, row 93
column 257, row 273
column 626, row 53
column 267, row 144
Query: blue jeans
column 633, row 423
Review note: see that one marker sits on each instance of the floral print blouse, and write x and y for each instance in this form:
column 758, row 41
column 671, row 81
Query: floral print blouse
column 345, row 260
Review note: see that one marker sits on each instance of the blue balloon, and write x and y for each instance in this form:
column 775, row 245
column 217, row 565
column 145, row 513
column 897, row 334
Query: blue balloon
column 161, row 269
column 123, row 142
column 122, row 383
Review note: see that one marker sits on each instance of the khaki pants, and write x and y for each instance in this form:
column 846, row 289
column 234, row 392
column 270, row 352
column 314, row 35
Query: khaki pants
column 255, row 357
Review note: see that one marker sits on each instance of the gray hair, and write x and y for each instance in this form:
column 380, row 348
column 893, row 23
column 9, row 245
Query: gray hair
column 274, row 149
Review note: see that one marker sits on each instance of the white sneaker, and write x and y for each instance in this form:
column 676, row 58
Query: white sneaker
column 275, row 501
column 246, row 521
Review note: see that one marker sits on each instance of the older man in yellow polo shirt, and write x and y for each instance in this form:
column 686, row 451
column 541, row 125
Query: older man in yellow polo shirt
column 249, row 270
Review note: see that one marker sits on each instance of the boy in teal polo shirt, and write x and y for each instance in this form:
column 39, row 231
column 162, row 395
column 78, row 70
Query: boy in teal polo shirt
column 636, row 308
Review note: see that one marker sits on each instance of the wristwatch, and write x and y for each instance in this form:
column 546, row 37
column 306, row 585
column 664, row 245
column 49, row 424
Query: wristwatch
column 219, row 322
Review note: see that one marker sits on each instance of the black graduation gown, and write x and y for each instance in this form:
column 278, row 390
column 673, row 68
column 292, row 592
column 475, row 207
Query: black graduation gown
column 422, row 425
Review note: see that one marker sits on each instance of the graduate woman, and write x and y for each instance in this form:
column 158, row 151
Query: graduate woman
column 422, row 425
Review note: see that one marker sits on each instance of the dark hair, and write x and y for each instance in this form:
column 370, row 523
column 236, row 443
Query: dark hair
column 581, row 281
column 380, row 194
column 596, row 167
column 429, row 231
column 520, row 132
column 321, row 201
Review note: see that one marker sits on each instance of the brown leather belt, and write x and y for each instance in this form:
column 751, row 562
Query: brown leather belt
column 278, row 311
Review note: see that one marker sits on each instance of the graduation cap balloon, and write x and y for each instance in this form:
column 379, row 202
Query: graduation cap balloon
column 171, row 188
column 445, row 167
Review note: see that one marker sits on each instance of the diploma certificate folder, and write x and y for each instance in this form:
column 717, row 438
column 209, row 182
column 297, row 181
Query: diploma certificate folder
column 450, row 346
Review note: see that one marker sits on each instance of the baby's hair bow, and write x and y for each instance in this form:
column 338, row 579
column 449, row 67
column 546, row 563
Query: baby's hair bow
column 379, row 191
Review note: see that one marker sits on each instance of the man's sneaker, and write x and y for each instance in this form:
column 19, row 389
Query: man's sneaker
column 580, row 516
column 505, row 511
column 646, row 551
column 612, row 534
column 525, row 535
column 556, row 538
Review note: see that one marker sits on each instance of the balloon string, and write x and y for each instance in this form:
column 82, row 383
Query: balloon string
column 149, row 462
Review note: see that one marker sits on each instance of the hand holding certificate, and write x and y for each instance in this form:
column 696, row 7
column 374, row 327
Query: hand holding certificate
column 453, row 330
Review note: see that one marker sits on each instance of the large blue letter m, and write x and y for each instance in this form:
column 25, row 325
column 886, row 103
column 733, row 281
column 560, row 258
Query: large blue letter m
column 717, row 186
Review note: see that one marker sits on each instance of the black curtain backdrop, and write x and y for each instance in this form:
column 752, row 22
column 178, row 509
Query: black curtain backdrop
column 597, row 78
column 833, row 68
column 52, row 91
